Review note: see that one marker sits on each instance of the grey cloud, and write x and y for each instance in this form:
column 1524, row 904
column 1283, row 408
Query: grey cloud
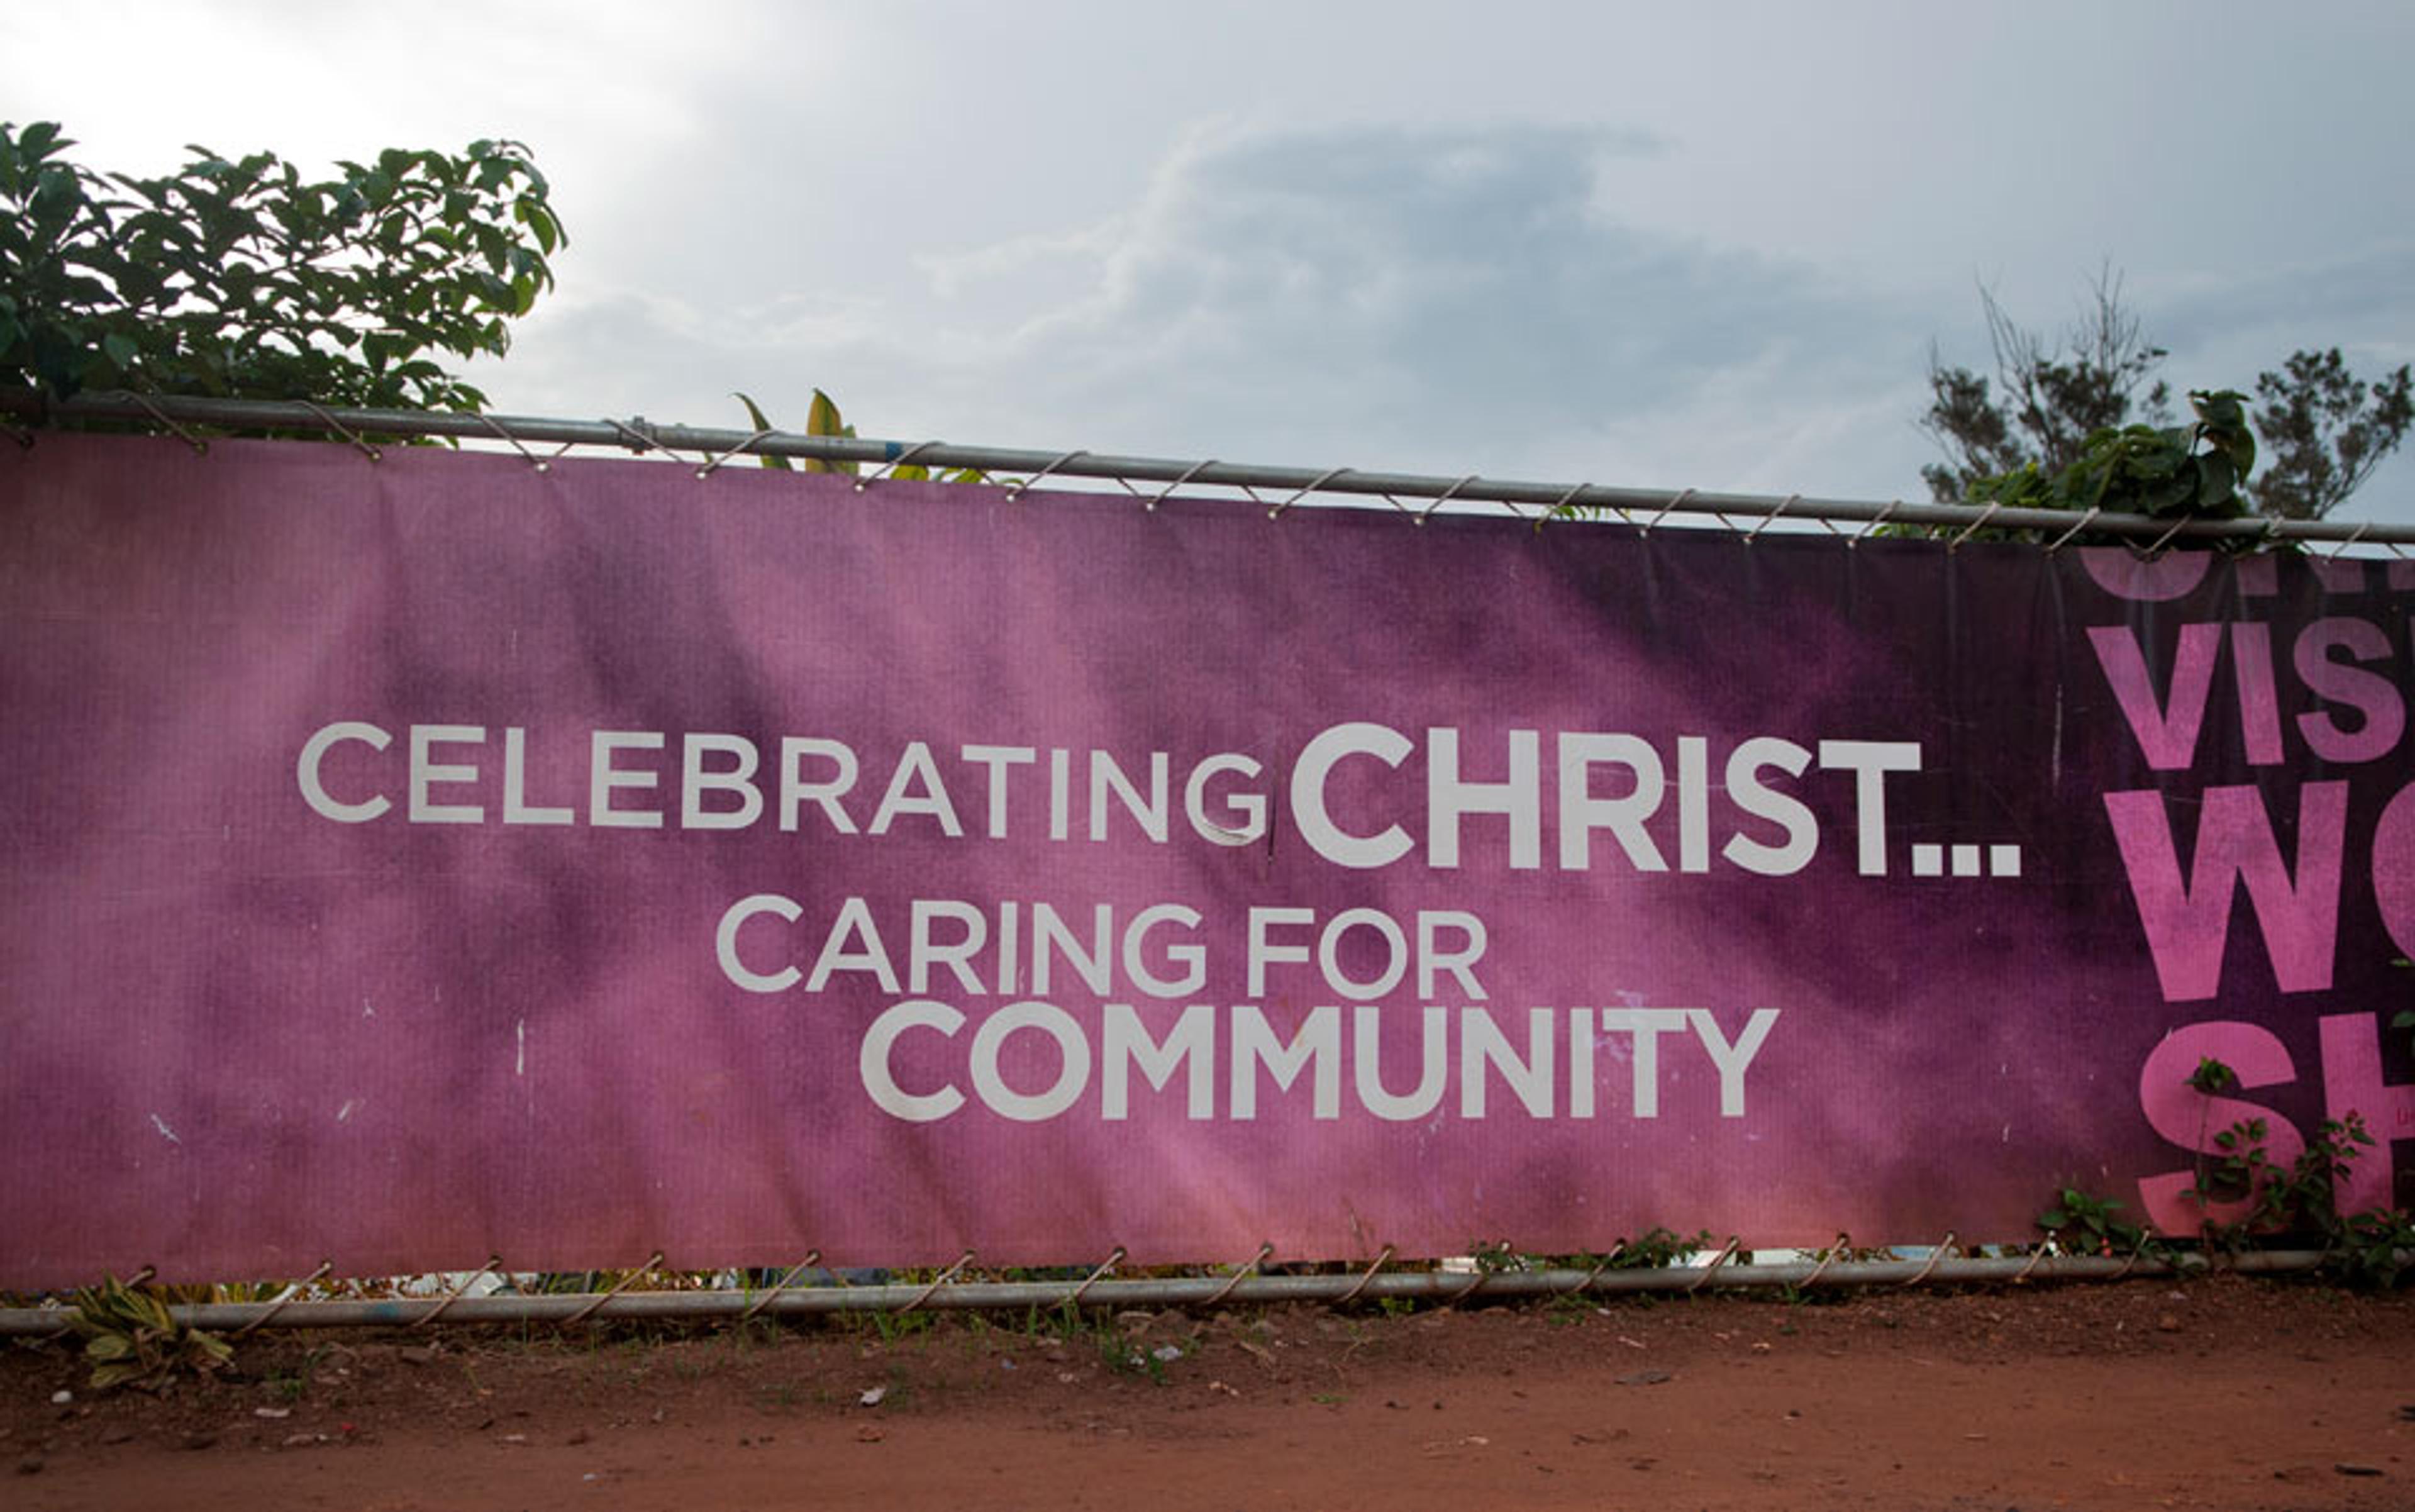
column 2360, row 300
column 1397, row 280
column 1427, row 297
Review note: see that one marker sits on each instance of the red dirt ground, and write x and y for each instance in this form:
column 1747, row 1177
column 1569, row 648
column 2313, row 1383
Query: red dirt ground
column 2221, row 1393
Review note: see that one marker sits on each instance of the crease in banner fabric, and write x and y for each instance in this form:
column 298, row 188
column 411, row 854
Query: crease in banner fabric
column 410, row 861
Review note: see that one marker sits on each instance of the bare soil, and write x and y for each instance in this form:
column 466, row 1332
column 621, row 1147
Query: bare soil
column 2221, row 1393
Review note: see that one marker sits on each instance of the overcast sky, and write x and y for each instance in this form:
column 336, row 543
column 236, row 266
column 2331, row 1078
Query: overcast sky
column 1550, row 241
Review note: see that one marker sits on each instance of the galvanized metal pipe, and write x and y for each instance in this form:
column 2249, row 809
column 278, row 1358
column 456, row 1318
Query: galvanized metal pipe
column 715, row 448
column 1169, row 1292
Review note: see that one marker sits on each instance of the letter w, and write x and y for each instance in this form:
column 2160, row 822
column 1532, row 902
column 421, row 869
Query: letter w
column 2188, row 923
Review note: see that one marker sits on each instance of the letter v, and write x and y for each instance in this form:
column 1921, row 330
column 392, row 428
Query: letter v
column 2166, row 732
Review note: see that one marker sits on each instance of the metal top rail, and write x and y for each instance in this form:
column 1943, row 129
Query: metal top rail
column 715, row 447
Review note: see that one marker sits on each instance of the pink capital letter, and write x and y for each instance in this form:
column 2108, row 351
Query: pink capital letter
column 2191, row 1119
column 2167, row 731
column 2188, row 923
column 2352, row 1084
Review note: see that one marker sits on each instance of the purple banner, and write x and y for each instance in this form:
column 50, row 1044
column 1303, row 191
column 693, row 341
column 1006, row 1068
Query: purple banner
column 415, row 861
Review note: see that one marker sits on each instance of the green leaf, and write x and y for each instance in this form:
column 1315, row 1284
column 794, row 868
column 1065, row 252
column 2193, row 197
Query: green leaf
column 822, row 419
column 755, row 412
column 122, row 1374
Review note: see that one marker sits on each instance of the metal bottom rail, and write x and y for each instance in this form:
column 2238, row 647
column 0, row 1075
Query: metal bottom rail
column 1177, row 1291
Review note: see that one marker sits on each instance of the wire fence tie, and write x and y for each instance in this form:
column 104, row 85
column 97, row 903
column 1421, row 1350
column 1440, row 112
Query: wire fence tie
column 617, row 1287
column 1835, row 1250
column 1018, row 488
column 144, row 401
column 780, row 1286
column 364, row 447
column 638, row 440
column 937, row 1281
column 277, row 1305
column 1783, row 505
column 1617, row 1247
column 901, row 460
column 543, row 464
column 2165, row 539
column 1234, row 1279
column 1352, row 1296
column 1875, row 521
column 1074, row 1298
column 1682, row 495
column 494, row 1263
column 1445, row 497
column 1190, row 472
column 1568, row 500
column 1717, row 1261
column 1935, row 1255
column 2357, row 534
column 712, row 463
column 1975, row 526
column 2085, row 520
column 1319, row 482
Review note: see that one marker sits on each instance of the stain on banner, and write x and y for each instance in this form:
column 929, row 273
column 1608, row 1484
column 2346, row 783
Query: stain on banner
column 412, row 862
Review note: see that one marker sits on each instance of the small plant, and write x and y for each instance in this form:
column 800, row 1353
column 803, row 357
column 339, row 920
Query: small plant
column 2299, row 1202
column 2232, row 1166
column 1494, row 1257
column 132, row 1339
column 2375, row 1249
column 2082, row 1223
column 1126, row 1356
column 889, row 1327
column 1657, row 1249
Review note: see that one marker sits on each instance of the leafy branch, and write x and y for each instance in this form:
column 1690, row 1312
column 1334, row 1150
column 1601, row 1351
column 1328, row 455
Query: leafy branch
column 239, row 279
column 2082, row 421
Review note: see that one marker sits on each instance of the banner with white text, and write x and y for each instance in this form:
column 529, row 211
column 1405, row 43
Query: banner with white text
column 410, row 861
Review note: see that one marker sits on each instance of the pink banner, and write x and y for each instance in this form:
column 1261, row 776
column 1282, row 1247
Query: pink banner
column 414, row 860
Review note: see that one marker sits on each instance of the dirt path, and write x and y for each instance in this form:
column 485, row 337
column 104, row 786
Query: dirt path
column 2221, row 1394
